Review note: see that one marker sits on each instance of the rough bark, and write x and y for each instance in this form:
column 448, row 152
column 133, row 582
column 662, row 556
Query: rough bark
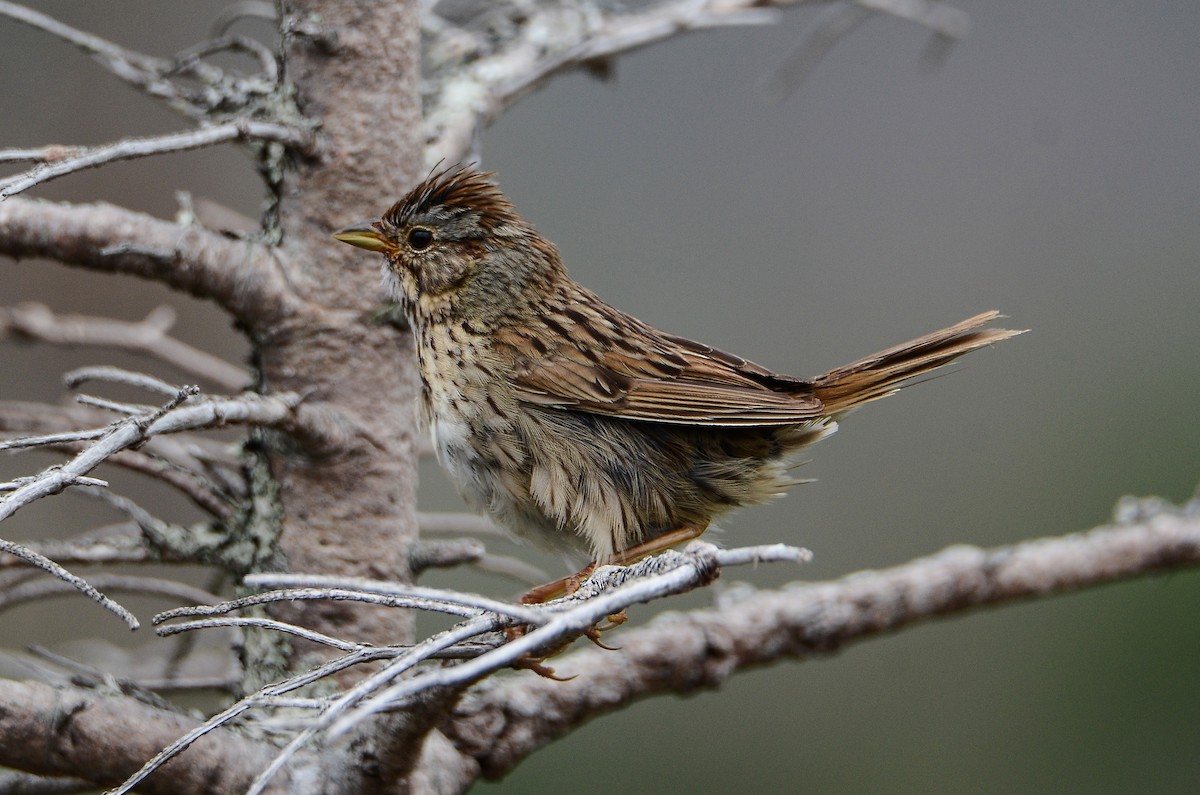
column 352, row 512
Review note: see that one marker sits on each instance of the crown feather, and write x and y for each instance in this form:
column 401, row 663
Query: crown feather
column 456, row 189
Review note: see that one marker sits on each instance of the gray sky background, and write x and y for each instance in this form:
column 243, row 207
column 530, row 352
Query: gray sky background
column 1050, row 169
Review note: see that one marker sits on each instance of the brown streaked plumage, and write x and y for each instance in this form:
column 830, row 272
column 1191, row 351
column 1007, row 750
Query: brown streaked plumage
column 577, row 425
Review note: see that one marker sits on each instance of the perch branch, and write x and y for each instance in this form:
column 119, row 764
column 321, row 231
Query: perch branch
column 502, row 721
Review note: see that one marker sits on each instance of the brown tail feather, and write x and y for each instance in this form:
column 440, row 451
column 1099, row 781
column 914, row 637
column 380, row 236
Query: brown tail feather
column 883, row 373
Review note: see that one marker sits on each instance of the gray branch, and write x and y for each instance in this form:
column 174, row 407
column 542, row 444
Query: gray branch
column 156, row 76
column 241, row 276
column 58, row 161
column 284, row 412
column 473, row 76
column 61, row 730
column 500, row 722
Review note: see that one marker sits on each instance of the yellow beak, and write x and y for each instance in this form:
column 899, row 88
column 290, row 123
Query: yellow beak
column 364, row 235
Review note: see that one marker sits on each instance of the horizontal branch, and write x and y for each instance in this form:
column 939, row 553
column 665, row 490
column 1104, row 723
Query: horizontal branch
column 316, row 427
column 59, row 161
column 65, row 731
column 37, row 322
column 488, row 73
column 125, row 544
column 239, row 275
column 501, row 722
column 39, row 590
column 169, row 80
column 205, row 473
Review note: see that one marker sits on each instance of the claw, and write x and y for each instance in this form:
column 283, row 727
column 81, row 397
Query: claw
column 529, row 663
column 593, row 634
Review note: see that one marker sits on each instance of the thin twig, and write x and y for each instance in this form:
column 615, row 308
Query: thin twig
column 261, row 698
column 148, row 336
column 81, row 158
column 311, row 586
column 128, row 547
column 156, row 586
column 78, row 583
column 123, row 434
column 118, row 375
column 355, row 695
column 262, row 623
column 470, row 601
column 115, row 406
column 455, row 522
column 609, row 590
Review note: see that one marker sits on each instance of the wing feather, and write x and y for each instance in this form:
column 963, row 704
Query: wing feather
column 602, row 361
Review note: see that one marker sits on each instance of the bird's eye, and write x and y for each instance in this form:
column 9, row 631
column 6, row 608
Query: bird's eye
column 420, row 238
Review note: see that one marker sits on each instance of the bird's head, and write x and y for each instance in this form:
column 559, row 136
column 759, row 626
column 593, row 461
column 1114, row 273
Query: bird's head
column 456, row 247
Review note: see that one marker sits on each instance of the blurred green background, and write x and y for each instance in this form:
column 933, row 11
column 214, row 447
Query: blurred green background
column 1051, row 169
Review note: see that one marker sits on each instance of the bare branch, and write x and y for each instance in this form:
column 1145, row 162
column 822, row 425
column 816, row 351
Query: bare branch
column 119, row 375
column 36, row 322
column 203, row 469
column 265, row 697
column 279, row 412
column 55, row 479
column 481, row 81
column 155, row 586
column 311, row 423
column 474, row 76
column 609, row 590
column 78, row 583
column 28, row 784
column 60, row 730
column 149, row 461
column 153, row 76
column 315, row 586
column 126, row 547
column 239, row 275
column 682, row 652
column 58, row 161
column 453, row 522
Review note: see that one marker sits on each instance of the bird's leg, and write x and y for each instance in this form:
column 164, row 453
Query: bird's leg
column 632, row 555
column 566, row 586
column 657, row 544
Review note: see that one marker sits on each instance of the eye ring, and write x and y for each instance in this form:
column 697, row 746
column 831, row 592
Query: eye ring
column 420, row 238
